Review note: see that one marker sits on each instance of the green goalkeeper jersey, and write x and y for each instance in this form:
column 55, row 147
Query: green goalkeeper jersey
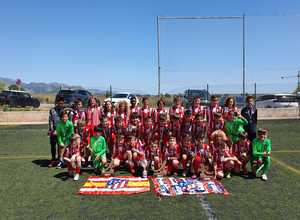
column 261, row 146
column 234, row 128
column 64, row 132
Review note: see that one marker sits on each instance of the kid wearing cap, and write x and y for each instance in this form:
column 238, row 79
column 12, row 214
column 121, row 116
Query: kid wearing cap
column 261, row 151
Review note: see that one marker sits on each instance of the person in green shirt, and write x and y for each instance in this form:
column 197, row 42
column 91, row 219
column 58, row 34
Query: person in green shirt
column 261, row 151
column 234, row 126
column 98, row 148
column 64, row 132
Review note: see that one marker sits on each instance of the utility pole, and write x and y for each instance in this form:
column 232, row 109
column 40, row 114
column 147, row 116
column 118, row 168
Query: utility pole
column 158, row 56
column 110, row 92
column 298, row 86
column 294, row 76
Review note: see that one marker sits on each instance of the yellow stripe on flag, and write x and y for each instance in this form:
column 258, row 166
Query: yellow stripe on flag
column 130, row 184
column 138, row 184
column 96, row 184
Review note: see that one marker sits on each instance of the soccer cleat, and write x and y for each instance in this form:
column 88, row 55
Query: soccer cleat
column 76, row 177
column 60, row 165
column 52, row 163
column 228, row 176
column 194, row 176
column 144, row 174
column 264, row 177
column 184, row 174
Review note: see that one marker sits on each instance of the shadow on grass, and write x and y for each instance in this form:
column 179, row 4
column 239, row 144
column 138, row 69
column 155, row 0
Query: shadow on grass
column 248, row 176
column 63, row 176
column 41, row 163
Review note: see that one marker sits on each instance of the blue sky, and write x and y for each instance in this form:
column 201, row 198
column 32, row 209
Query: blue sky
column 97, row 43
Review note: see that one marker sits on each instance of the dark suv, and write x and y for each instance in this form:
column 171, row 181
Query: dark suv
column 70, row 96
column 190, row 94
column 15, row 98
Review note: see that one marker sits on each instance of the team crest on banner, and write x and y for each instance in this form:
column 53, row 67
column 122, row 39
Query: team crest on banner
column 170, row 186
column 119, row 185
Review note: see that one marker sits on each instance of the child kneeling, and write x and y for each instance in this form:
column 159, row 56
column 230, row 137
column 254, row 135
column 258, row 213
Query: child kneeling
column 73, row 157
column 261, row 151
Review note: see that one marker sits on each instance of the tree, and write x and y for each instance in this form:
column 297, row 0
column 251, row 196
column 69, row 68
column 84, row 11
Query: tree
column 2, row 85
column 16, row 87
column 107, row 94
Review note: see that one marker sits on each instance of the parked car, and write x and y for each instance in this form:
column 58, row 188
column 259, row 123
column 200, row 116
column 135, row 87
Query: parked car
column 277, row 101
column 15, row 98
column 70, row 96
column 120, row 97
column 190, row 94
column 239, row 100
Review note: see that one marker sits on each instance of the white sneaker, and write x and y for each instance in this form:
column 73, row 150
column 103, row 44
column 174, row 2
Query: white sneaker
column 184, row 174
column 228, row 176
column 76, row 177
column 144, row 174
column 264, row 177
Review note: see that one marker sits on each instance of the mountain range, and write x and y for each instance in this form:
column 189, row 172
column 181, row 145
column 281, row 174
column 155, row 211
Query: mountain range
column 41, row 87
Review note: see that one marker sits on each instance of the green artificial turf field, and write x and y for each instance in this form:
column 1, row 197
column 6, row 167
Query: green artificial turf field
column 30, row 190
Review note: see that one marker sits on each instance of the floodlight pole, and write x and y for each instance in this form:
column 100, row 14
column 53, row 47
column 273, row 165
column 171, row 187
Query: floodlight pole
column 244, row 81
column 158, row 56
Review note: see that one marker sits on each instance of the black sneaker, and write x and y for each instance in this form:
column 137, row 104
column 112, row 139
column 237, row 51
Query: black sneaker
column 60, row 165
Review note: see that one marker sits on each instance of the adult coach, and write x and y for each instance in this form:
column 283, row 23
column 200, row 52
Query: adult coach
column 250, row 113
column 54, row 118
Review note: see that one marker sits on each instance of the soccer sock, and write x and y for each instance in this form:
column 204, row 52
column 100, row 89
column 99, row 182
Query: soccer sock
column 70, row 168
column 184, row 163
column 78, row 170
column 267, row 164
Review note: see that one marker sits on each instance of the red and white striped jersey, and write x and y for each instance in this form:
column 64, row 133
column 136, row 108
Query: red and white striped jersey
column 177, row 110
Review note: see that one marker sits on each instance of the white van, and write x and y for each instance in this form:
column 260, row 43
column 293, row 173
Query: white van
column 277, row 101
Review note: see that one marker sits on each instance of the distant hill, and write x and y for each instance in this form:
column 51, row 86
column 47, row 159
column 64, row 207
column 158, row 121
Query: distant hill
column 40, row 87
